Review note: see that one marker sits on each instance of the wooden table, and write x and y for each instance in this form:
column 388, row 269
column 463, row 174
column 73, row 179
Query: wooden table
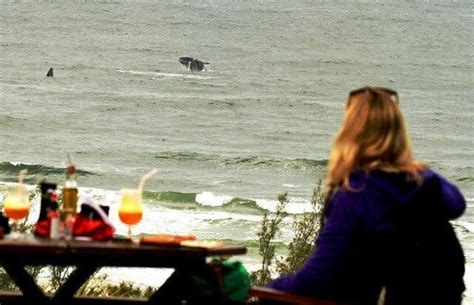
column 88, row 257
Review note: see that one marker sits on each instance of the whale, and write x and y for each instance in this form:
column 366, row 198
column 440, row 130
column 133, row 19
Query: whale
column 50, row 73
column 193, row 64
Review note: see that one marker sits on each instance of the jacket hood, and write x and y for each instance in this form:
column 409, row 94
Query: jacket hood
column 435, row 195
column 398, row 187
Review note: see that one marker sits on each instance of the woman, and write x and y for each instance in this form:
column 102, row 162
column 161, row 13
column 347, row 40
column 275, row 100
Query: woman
column 381, row 206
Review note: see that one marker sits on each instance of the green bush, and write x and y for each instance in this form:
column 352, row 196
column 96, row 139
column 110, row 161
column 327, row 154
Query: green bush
column 270, row 226
column 305, row 229
column 98, row 287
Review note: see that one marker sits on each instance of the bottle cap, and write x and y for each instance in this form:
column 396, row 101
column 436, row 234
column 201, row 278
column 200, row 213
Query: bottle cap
column 71, row 169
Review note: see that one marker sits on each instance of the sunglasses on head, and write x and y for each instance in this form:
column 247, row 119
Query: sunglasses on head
column 392, row 93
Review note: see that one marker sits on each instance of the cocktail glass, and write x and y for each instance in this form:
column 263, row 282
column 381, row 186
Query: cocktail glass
column 131, row 209
column 16, row 206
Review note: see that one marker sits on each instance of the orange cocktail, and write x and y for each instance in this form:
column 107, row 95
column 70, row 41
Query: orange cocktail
column 16, row 211
column 130, row 209
column 16, row 204
column 130, row 217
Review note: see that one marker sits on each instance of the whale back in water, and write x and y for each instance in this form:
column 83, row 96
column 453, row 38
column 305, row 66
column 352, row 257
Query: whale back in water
column 50, row 73
column 185, row 60
column 193, row 64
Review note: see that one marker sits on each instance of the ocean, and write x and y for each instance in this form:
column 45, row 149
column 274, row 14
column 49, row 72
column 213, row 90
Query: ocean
column 258, row 122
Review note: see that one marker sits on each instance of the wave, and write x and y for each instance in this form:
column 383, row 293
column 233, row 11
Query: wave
column 251, row 161
column 178, row 200
column 298, row 163
column 228, row 203
column 172, row 197
column 167, row 75
column 80, row 67
column 12, row 168
column 238, row 202
column 464, row 226
column 187, row 22
column 336, row 61
column 253, row 243
column 204, row 199
column 185, row 156
column 468, row 179
column 209, row 199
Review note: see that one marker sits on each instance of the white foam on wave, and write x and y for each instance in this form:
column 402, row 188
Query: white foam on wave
column 469, row 280
column 210, row 199
column 105, row 197
column 168, row 75
column 203, row 224
column 469, row 226
column 17, row 163
column 290, row 185
column 294, row 206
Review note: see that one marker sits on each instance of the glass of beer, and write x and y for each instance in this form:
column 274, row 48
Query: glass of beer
column 16, row 206
column 130, row 209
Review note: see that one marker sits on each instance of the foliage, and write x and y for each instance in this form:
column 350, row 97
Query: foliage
column 305, row 228
column 58, row 276
column 95, row 287
column 6, row 284
column 98, row 286
column 270, row 226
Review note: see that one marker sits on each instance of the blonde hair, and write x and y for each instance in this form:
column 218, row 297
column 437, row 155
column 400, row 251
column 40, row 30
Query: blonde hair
column 373, row 136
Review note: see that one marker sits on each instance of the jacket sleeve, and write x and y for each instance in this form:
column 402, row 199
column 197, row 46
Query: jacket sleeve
column 452, row 200
column 333, row 245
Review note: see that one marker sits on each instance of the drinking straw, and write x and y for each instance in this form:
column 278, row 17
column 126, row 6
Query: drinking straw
column 144, row 178
column 22, row 175
column 20, row 187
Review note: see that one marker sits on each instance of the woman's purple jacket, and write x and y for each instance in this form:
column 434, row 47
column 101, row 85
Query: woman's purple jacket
column 353, row 216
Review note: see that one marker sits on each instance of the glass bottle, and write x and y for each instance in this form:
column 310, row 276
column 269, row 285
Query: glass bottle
column 70, row 192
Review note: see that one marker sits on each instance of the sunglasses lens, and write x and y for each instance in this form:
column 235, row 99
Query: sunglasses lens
column 393, row 94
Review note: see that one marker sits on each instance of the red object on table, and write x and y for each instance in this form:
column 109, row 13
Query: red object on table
column 93, row 222
column 96, row 229
column 43, row 227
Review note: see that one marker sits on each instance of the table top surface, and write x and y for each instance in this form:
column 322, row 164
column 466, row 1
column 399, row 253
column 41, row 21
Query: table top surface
column 112, row 253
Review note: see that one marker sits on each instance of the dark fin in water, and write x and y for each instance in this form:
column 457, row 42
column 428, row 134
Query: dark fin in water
column 193, row 64
column 50, row 72
column 196, row 65
column 185, row 60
